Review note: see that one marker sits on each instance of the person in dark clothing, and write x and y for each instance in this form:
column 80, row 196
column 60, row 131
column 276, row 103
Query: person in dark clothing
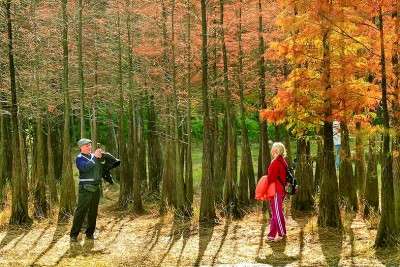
column 90, row 173
column 277, row 170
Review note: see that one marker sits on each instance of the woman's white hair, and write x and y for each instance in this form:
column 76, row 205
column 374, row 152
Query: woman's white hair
column 279, row 149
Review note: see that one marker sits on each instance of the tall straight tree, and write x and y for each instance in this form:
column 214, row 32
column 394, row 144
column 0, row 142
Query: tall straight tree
column 40, row 203
column 207, row 209
column 246, row 166
column 264, row 156
column 387, row 226
column 126, row 193
column 133, row 144
column 81, row 80
column 347, row 184
column 188, row 158
column 329, row 214
column 67, row 190
column 396, row 108
column 19, row 202
column 182, row 204
column 230, row 184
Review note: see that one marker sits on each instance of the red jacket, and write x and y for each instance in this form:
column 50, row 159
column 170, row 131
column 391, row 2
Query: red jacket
column 276, row 169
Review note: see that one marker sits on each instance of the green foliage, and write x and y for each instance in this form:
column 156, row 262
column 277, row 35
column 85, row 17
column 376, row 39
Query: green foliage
column 197, row 129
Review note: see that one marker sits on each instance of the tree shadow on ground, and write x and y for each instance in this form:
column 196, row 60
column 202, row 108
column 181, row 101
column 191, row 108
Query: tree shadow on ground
column 12, row 234
column 223, row 238
column 180, row 228
column 302, row 218
column 262, row 233
column 155, row 236
column 206, row 230
column 331, row 240
column 60, row 231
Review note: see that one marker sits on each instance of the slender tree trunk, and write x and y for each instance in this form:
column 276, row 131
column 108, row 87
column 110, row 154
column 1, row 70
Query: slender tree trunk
column 347, row 182
column 155, row 161
column 319, row 161
column 264, row 157
column 182, row 203
column 81, row 80
column 396, row 109
column 387, row 226
column 67, row 194
column 19, row 202
column 207, row 210
column 371, row 200
column 125, row 196
column 189, row 162
column 230, row 199
column 329, row 214
column 246, row 167
column 3, row 158
column 51, row 175
column 360, row 167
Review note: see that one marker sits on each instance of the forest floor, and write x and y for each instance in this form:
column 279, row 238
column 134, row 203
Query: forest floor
column 152, row 240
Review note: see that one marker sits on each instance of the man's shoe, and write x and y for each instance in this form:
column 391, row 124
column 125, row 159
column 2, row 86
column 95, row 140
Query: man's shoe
column 73, row 239
column 92, row 237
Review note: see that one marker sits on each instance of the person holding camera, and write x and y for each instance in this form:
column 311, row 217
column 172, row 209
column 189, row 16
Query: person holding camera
column 90, row 174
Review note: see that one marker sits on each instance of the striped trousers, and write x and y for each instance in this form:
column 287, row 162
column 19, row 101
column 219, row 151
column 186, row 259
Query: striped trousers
column 278, row 223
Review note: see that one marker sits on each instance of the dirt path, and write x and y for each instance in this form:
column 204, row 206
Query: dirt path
column 149, row 240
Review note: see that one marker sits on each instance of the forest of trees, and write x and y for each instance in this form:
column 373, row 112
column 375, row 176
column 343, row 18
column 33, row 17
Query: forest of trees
column 149, row 78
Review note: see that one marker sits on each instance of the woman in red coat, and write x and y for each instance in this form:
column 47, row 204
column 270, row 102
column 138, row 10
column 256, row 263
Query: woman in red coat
column 276, row 169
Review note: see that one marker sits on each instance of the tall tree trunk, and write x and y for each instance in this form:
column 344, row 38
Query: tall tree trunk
column 67, row 194
column 347, row 182
column 264, row 157
column 230, row 199
column 189, row 162
column 81, row 80
column 304, row 200
column 319, row 161
column 40, row 202
column 126, row 186
column 387, row 225
column 207, row 209
column 93, row 118
column 329, row 214
column 155, row 161
column 182, row 203
column 19, row 202
column 396, row 109
column 3, row 158
column 134, row 144
column 246, row 167
column 51, row 175
column 371, row 200
column 360, row 167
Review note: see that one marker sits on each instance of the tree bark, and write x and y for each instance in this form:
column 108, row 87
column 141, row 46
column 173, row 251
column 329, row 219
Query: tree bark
column 387, row 226
column 347, row 182
column 67, row 191
column 304, row 200
column 371, row 202
column 207, row 210
column 19, row 202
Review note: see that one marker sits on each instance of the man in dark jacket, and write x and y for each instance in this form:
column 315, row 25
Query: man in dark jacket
column 90, row 174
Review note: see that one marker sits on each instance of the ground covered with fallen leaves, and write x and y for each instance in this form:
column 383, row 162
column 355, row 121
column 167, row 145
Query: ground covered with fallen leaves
column 126, row 239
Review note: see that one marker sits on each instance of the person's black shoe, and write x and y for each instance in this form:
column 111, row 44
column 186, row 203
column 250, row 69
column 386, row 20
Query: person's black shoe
column 92, row 237
column 73, row 239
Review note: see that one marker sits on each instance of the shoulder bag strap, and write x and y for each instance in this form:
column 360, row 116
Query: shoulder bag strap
column 286, row 174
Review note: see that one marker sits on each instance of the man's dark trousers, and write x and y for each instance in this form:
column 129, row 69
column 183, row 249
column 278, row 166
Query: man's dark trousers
column 88, row 202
